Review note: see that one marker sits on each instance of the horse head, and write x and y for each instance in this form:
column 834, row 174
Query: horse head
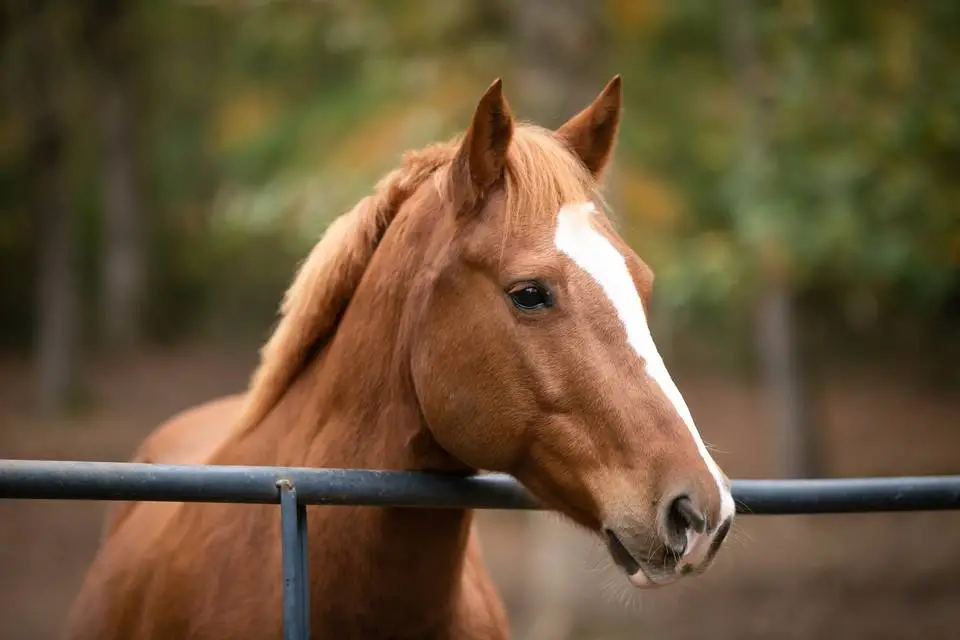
column 532, row 353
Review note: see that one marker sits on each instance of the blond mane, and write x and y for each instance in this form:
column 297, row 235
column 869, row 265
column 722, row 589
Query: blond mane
column 541, row 175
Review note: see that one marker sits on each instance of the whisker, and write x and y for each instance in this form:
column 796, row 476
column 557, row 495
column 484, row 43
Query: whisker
column 622, row 593
column 715, row 449
column 740, row 533
column 742, row 507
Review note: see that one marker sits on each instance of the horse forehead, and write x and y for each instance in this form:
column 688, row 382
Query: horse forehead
column 578, row 235
column 597, row 260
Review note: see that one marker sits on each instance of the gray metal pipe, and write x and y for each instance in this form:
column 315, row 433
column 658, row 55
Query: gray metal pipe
column 66, row 480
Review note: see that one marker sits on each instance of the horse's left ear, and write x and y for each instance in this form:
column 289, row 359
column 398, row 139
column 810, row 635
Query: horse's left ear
column 482, row 155
column 591, row 134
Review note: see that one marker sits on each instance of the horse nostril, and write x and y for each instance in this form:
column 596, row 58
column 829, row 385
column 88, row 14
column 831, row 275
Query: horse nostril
column 682, row 516
column 718, row 539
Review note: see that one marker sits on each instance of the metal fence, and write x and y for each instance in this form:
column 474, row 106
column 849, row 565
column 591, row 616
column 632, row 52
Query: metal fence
column 294, row 488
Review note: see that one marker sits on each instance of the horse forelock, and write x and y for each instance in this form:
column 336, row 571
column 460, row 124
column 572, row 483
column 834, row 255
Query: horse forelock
column 541, row 174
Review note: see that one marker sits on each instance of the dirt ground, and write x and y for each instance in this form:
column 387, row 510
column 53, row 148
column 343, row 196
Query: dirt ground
column 858, row 576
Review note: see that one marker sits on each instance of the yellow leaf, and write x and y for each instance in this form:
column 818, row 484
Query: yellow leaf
column 13, row 135
column 244, row 117
column 899, row 37
column 635, row 16
column 647, row 199
column 955, row 250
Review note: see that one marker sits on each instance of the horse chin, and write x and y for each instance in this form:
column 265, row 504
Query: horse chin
column 640, row 575
column 642, row 579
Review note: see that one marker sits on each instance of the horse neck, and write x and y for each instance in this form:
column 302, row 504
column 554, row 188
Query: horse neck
column 355, row 406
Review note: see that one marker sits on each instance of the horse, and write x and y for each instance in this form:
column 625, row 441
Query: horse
column 478, row 311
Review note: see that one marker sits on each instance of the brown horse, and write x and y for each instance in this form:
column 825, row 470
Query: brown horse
column 477, row 312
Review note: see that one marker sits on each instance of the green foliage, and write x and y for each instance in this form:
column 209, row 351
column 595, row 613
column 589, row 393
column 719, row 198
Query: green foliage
column 859, row 127
column 257, row 123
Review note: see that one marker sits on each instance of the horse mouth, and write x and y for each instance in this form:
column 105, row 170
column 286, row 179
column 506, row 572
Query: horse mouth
column 640, row 575
column 623, row 558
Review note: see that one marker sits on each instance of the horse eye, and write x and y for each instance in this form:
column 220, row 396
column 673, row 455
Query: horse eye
column 531, row 296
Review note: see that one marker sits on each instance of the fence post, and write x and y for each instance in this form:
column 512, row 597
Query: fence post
column 296, row 578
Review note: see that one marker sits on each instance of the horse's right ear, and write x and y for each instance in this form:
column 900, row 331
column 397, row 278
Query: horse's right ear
column 480, row 161
column 591, row 134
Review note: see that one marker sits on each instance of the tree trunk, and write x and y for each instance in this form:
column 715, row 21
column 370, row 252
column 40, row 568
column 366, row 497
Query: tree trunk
column 57, row 282
column 783, row 373
column 122, row 263
column 776, row 317
column 560, row 55
column 56, row 334
column 560, row 47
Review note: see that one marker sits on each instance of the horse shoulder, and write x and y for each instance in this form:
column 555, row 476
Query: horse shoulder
column 193, row 435
column 190, row 437
column 111, row 601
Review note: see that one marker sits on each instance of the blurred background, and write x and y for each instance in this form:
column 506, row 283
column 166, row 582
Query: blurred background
column 789, row 170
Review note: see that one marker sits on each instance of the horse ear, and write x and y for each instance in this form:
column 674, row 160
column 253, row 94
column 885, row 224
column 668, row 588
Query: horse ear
column 591, row 134
column 483, row 153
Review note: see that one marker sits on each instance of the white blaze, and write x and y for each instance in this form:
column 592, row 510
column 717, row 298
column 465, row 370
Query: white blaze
column 591, row 251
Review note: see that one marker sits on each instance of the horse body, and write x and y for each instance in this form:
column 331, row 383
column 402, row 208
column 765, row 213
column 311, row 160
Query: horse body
column 191, row 437
column 417, row 573
column 446, row 323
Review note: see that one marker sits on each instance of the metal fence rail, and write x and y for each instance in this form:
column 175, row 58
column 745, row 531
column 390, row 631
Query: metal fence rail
column 55, row 480
column 294, row 488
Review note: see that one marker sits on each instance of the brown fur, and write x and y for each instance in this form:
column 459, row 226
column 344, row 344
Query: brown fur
column 191, row 437
column 397, row 349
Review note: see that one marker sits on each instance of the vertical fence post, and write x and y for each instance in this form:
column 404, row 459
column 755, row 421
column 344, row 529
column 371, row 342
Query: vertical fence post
column 296, row 580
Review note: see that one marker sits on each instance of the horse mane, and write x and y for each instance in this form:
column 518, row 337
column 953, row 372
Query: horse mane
column 541, row 174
